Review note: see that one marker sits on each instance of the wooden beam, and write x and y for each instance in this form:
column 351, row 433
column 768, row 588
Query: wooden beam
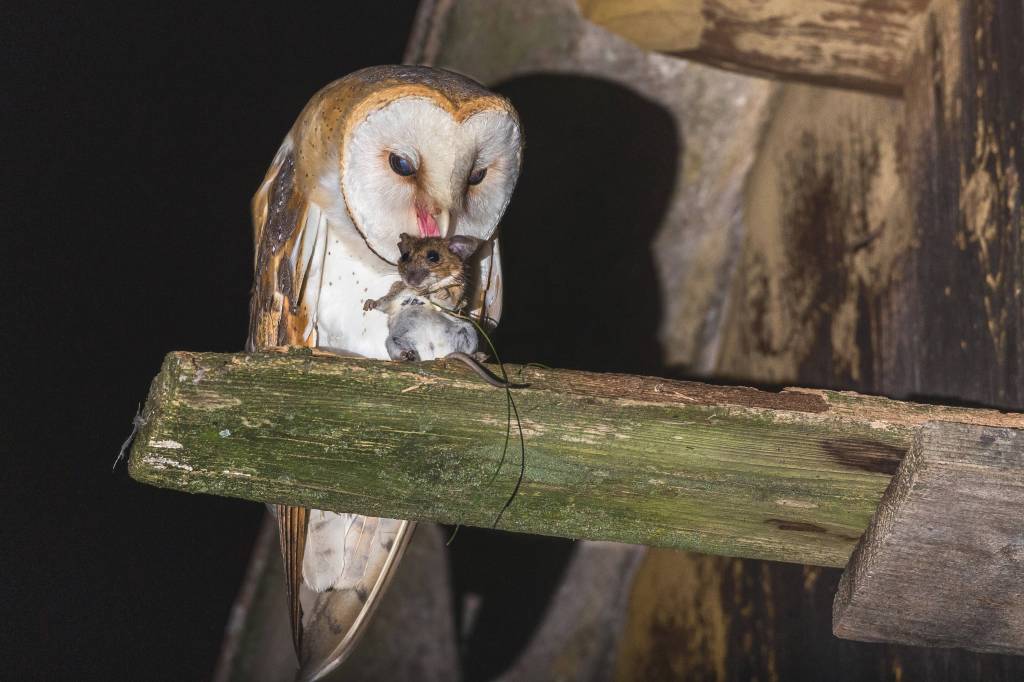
column 962, row 285
column 791, row 476
column 942, row 563
column 861, row 44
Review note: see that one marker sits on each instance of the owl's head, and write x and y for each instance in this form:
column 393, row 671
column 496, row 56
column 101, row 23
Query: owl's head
column 425, row 152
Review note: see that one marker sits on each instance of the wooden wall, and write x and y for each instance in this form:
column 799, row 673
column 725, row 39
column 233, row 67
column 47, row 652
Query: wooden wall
column 882, row 253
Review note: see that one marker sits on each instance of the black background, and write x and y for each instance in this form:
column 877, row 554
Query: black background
column 134, row 137
column 133, row 141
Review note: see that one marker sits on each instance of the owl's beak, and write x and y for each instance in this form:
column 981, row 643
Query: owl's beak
column 432, row 223
column 443, row 218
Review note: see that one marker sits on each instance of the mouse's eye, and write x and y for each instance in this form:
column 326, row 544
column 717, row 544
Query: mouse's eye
column 401, row 165
column 405, row 257
column 477, row 176
column 433, row 256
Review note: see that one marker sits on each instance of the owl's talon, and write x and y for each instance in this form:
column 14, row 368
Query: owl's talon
column 369, row 304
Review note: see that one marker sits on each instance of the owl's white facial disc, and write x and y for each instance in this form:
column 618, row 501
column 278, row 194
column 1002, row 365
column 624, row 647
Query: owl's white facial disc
column 444, row 155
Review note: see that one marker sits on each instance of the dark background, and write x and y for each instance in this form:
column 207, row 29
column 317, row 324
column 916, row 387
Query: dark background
column 134, row 139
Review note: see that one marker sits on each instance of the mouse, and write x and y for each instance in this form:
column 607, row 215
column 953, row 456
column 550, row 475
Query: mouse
column 433, row 270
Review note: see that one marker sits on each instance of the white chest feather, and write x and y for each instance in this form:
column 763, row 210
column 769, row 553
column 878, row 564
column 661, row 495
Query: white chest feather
column 352, row 273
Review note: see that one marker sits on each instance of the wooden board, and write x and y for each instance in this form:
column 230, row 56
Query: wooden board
column 861, row 291
column 791, row 476
column 956, row 318
column 942, row 563
column 860, row 44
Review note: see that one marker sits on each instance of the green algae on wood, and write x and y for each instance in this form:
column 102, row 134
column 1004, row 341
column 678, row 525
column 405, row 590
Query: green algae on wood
column 789, row 476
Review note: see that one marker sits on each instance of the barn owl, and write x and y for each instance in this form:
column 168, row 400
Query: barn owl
column 382, row 151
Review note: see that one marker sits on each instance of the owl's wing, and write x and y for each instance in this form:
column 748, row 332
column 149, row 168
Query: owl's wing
column 290, row 238
column 289, row 235
column 335, row 620
column 485, row 296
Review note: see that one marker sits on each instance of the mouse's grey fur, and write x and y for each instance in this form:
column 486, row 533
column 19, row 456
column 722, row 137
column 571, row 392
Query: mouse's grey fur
column 418, row 331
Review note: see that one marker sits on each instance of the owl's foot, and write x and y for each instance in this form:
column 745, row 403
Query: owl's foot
column 409, row 356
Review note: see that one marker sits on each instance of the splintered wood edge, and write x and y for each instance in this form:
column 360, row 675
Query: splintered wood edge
column 864, row 558
column 953, row 474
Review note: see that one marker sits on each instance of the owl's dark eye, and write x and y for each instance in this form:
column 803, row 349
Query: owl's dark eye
column 477, row 176
column 433, row 256
column 405, row 257
column 400, row 165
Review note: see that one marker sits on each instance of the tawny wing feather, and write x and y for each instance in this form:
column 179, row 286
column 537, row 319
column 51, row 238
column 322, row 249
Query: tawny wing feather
column 292, row 523
column 374, row 553
column 279, row 317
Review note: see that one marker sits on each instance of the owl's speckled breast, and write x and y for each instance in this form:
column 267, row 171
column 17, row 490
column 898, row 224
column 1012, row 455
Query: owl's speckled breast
column 352, row 274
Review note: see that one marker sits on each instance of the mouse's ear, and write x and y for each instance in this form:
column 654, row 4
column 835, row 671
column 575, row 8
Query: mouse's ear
column 463, row 246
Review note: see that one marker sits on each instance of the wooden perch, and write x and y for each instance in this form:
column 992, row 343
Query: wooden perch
column 861, row 44
column 790, row 476
column 943, row 560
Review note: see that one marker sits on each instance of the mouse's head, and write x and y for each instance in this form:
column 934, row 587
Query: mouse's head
column 426, row 262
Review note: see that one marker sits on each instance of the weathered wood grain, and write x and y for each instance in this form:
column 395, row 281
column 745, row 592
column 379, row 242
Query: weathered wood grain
column 829, row 229
column 791, row 476
column 860, row 44
column 957, row 316
column 942, row 563
column 875, row 282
